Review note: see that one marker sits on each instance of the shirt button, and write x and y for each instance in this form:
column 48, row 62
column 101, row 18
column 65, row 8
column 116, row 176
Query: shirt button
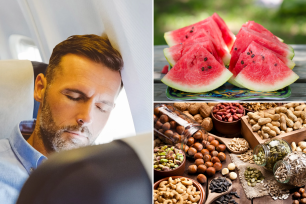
column 31, row 169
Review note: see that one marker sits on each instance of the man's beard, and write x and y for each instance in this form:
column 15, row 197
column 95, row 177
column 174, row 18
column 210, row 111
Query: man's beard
column 52, row 134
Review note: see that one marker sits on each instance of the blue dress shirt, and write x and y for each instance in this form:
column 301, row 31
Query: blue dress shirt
column 17, row 160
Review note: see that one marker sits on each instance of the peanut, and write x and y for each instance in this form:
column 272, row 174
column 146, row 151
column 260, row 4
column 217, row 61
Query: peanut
column 256, row 127
column 263, row 121
column 275, row 123
column 276, row 129
column 283, row 125
column 291, row 116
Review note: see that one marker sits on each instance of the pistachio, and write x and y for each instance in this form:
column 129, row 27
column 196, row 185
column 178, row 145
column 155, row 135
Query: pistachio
column 253, row 176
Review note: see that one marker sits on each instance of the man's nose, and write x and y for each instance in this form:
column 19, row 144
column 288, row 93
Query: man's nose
column 85, row 115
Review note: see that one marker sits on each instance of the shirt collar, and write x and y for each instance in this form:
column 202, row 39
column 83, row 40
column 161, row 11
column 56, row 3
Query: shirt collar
column 28, row 156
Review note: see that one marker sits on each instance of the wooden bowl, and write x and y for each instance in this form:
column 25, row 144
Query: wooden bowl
column 179, row 171
column 195, row 183
column 229, row 129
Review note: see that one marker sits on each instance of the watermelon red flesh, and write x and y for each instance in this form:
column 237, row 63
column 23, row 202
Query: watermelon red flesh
column 256, row 50
column 174, row 53
column 259, row 28
column 227, row 35
column 246, row 36
column 266, row 72
column 197, row 71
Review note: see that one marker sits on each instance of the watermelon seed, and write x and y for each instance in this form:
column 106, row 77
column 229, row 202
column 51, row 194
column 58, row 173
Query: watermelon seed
column 252, row 55
column 235, row 48
column 275, row 64
column 186, row 36
column 242, row 62
column 191, row 31
column 248, row 53
column 202, row 68
column 263, row 57
column 192, row 27
column 205, row 59
column 251, row 51
column 209, row 67
column 253, row 61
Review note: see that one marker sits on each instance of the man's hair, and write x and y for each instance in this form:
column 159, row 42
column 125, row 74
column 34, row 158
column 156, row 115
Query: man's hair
column 94, row 47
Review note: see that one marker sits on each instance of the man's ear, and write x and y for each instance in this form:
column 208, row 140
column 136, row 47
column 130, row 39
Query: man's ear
column 40, row 87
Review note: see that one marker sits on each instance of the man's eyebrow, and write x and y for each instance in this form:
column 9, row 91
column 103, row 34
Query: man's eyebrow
column 84, row 95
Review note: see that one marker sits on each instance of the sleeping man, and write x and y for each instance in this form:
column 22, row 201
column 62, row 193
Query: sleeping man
column 76, row 96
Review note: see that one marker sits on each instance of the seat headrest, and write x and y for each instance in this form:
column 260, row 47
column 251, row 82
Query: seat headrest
column 109, row 173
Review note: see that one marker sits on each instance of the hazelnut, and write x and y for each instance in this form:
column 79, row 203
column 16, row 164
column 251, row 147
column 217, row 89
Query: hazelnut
column 304, row 195
column 209, row 164
column 180, row 129
column 210, row 171
column 231, row 166
column 301, row 190
column 192, row 151
column 221, row 156
column 176, row 137
column 170, row 108
column 225, row 171
column 214, row 153
column 198, row 146
column 169, row 133
column 156, row 111
column 215, row 143
column 198, row 155
column 183, row 117
column 190, row 141
column 198, row 135
column 202, row 168
column 296, row 195
column 215, row 159
column 192, row 169
column 205, row 143
column 221, row 148
column 211, row 138
column 210, row 148
column 158, row 125
column 201, row 178
column 303, row 201
column 295, row 202
column 173, row 125
column 161, row 130
column 218, row 166
column 233, row 175
column 155, row 118
column 204, row 152
column 199, row 162
column 207, row 157
column 164, row 119
column 166, row 126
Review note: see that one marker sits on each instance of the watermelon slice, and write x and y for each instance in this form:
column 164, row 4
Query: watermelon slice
column 197, row 30
column 174, row 53
column 197, row 71
column 263, row 71
column 227, row 35
column 259, row 28
column 246, row 36
column 254, row 49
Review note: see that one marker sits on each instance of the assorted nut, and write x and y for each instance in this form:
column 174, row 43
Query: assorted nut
column 275, row 191
column 259, row 106
column 167, row 158
column 219, row 185
column 238, row 144
column 300, row 148
column 300, row 195
column 247, row 157
column 179, row 190
column 228, row 198
column 292, row 169
column 228, row 112
column 279, row 120
column 233, row 175
column 253, row 176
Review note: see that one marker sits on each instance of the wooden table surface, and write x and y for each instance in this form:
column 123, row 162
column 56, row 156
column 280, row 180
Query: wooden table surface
column 298, row 88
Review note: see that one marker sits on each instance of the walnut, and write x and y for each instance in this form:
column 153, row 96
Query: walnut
column 207, row 124
column 205, row 110
column 181, row 106
column 198, row 118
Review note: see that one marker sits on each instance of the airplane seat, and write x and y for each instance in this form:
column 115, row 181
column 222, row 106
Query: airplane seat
column 109, row 173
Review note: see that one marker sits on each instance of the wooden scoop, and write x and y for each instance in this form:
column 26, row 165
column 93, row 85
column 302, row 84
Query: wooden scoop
column 226, row 142
column 213, row 196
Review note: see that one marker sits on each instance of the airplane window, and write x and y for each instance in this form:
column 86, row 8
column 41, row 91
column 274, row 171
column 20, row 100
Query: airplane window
column 120, row 123
column 23, row 47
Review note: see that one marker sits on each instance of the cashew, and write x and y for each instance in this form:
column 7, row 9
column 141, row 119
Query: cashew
column 160, row 199
column 163, row 184
column 171, row 181
column 194, row 199
column 179, row 188
column 168, row 202
column 187, row 182
column 191, row 190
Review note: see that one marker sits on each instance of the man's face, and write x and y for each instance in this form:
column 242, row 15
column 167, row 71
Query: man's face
column 78, row 102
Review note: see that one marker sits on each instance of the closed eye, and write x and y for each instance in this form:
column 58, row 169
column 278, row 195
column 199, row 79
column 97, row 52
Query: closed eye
column 73, row 99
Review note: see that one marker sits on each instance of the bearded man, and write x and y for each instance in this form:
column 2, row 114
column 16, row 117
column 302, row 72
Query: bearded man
column 76, row 96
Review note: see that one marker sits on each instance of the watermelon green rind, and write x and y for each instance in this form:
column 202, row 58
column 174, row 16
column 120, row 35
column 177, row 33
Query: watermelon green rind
column 225, row 75
column 264, row 87
column 291, row 54
column 280, row 39
column 232, row 81
column 169, row 39
column 169, row 56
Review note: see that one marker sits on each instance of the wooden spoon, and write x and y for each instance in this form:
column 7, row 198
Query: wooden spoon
column 226, row 142
column 213, row 196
